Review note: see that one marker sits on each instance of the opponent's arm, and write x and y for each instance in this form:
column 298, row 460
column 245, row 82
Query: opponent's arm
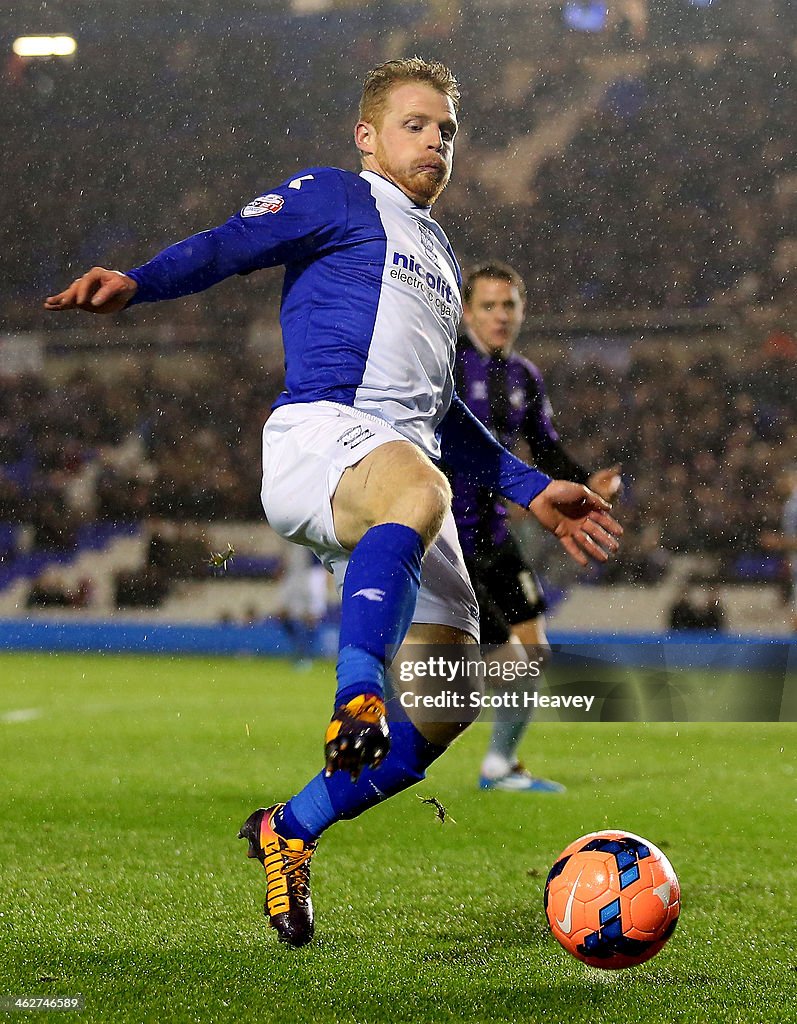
column 543, row 439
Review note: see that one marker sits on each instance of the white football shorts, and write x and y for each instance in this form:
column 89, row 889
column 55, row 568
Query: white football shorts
column 306, row 448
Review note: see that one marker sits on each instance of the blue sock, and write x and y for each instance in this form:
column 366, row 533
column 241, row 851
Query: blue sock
column 324, row 801
column 379, row 595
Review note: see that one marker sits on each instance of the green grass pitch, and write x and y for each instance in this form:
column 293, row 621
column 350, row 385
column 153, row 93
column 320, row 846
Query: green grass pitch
column 124, row 781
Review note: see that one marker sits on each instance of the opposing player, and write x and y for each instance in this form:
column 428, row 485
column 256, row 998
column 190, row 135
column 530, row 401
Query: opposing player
column 507, row 393
column 370, row 306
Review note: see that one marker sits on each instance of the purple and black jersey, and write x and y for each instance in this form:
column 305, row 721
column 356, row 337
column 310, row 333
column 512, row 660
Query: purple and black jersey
column 508, row 396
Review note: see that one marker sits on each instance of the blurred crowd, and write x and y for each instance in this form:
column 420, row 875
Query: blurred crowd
column 702, row 436
column 133, row 447
column 674, row 185
column 678, row 191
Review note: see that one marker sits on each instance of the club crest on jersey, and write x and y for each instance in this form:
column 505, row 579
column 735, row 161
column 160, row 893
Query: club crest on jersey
column 272, row 203
column 427, row 241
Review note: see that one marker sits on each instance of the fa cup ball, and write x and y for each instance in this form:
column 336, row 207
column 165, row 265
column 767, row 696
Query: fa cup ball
column 612, row 899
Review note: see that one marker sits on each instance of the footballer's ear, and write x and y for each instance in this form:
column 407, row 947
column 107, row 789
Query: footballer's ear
column 365, row 137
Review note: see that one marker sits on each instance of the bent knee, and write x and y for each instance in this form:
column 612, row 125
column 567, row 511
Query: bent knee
column 435, row 502
column 423, row 503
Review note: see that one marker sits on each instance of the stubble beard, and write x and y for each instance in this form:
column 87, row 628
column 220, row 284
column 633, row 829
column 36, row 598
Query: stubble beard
column 423, row 187
column 434, row 187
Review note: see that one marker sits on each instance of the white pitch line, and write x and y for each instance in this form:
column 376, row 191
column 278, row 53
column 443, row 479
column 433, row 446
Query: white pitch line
column 20, row 715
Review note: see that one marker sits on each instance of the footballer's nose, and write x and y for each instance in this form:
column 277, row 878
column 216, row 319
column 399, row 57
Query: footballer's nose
column 435, row 139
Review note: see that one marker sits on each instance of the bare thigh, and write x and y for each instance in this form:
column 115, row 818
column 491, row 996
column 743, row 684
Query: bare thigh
column 395, row 483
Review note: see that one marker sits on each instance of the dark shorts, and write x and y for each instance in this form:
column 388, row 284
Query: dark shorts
column 507, row 590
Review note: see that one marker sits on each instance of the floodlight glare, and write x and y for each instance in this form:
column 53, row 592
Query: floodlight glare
column 44, row 46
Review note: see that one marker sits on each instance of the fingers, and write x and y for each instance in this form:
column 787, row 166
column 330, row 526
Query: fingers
column 582, row 547
column 98, row 291
column 596, row 502
column 105, row 293
column 594, row 537
column 76, row 295
column 63, row 300
column 602, row 539
column 578, row 501
column 581, row 520
column 607, row 522
column 85, row 287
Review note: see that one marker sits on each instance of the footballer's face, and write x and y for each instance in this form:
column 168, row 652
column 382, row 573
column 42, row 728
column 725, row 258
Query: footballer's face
column 494, row 314
column 413, row 144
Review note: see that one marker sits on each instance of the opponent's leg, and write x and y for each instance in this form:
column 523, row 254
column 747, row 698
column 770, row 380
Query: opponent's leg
column 501, row 768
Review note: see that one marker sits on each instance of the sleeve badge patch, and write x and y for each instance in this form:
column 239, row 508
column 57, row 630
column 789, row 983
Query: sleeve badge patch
column 271, row 203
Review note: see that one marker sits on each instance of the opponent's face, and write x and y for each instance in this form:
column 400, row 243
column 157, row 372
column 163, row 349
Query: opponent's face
column 413, row 146
column 494, row 314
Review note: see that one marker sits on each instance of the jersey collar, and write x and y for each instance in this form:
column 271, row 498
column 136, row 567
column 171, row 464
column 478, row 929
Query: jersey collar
column 388, row 188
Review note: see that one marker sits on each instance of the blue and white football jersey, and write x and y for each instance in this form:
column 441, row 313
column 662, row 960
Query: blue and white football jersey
column 371, row 298
column 369, row 314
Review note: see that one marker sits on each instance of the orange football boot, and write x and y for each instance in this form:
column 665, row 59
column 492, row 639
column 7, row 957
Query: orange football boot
column 288, row 905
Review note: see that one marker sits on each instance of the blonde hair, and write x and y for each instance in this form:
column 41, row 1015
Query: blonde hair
column 380, row 80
